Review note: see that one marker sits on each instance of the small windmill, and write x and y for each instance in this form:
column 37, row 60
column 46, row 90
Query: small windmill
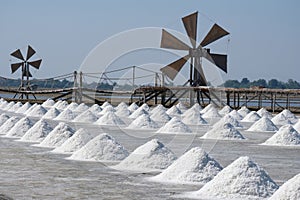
column 24, row 64
column 195, row 53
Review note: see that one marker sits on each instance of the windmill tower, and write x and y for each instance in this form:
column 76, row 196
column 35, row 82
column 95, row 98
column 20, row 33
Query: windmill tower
column 195, row 53
column 24, row 65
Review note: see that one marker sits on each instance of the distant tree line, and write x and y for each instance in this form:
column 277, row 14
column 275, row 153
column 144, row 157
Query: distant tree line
column 273, row 83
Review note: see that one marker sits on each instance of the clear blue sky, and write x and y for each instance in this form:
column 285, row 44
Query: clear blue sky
column 264, row 40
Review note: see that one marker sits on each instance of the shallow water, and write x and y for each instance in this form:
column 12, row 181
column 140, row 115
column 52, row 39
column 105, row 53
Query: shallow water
column 28, row 172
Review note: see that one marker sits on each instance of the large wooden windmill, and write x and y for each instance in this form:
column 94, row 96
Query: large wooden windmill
column 195, row 52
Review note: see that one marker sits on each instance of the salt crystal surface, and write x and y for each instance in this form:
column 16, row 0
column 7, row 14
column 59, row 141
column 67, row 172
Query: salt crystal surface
column 123, row 112
column 145, row 107
column 81, row 108
column 235, row 114
column 3, row 105
column 191, row 111
column 110, row 118
column 291, row 116
column 251, row 117
column 96, row 109
column 151, row 156
column 51, row 113
column 140, row 111
column 37, row 132
column 30, row 109
column 121, row 105
column 8, row 106
column 107, row 109
column 228, row 119
column 242, row 179
column 8, row 124
column 297, row 126
column 193, row 118
column 37, row 111
column 66, row 115
column 263, row 125
column 57, row 136
column 173, row 111
column 143, row 122
column 160, row 116
column 74, row 143
column 280, row 119
column 195, row 166
column 158, row 108
column 208, row 107
column 285, row 136
column 15, row 107
column 264, row 113
column 101, row 148
column 133, row 107
column 290, row 190
column 3, row 118
column 61, row 105
column 243, row 111
column 181, row 106
column 211, row 113
column 72, row 106
column 223, row 132
column 175, row 125
column 48, row 103
column 225, row 110
column 20, row 128
column 105, row 104
column 86, row 117
column 24, row 108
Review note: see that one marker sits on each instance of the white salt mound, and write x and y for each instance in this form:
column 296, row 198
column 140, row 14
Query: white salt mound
column 96, row 109
column 3, row 105
column 123, row 112
column 24, row 108
column 263, row 125
column 51, row 113
column 101, row 148
column 86, row 117
column 72, row 106
column 133, row 107
column 37, row 111
column 140, row 111
column 57, row 136
column 223, row 132
column 225, row 110
column 121, row 105
column 297, row 126
column 66, row 115
column 3, row 118
column 74, row 143
column 280, row 119
column 235, row 114
column 174, row 110
column 105, row 104
column 158, row 108
column 107, row 109
column 81, row 108
column 285, row 136
column 242, row 179
column 175, row 125
column 145, row 107
column 264, row 113
column 110, row 118
column 243, row 111
column 9, row 105
column 151, row 156
column 195, row 166
column 208, row 107
column 251, row 117
column 37, row 132
column 290, row 190
column 193, row 118
column 48, row 103
column 160, row 116
column 15, row 107
column 288, row 114
column 228, row 119
column 181, row 106
column 30, row 109
column 211, row 113
column 143, row 122
column 6, row 126
column 61, row 105
column 20, row 128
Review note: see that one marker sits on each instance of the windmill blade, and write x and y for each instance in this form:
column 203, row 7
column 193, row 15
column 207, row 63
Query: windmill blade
column 30, row 52
column 200, row 77
column 172, row 69
column 36, row 64
column 15, row 67
column 215, row 33
column 25, row 73
column 220, row 60
column 17, row 54
column 169, row 41
column 190, row 25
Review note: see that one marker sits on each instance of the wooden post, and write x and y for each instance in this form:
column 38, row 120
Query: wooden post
column 234, row 100
column 287, row 101
column 75, row 97
column 273, row 102
column 133, row 77
column 238, row 100
column 228, row 98
column 80, row 87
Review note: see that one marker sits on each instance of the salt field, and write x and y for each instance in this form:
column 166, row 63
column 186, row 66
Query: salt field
column 100, row 152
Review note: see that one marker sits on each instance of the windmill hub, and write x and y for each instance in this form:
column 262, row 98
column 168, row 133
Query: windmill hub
column 196, row 52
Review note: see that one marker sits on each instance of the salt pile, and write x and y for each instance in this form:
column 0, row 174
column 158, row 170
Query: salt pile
column 110, row 118
column 37, row 132
column 105, row 104
column 133, row 107
column 51, row 113
column 160, row 116
column 228, row 119
column 48, row 103
column 288, row 114
column 107, row 109
column 290, row 190
column 3, row 118
column 121, row 105
column 3, row 105
column 86, row 117
column 175, row 125
column 74, row 143
column 8, row 124
column 123, row 112
column 173, row 111
column 72, row 106
column 211, row 113
column 181, row 106
column 195, row 166
column 15, row 107
column 143, row 122
column 158, row 108
column 96, row 109
column 242, row 179
column 145, row 107
column 9, row 105
column 263, row 125
column 251, row 117
column 101, row 148
column 37, row 111
column 225, row 110
column 264, row 113
column 280, row 119
column 140, row 111
column 151, row 156
column 57, row 136
column 30, row 109
column 193, row 117
column 235, row 114
column 208, row 107
column 223, row 132
column 243, row 111
column 20, row 128
column 296, row 126
column 66, row 115
column 24, row 108
column 61, row 105
column 190, row 111
column 81, row 108
column 285, row 136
